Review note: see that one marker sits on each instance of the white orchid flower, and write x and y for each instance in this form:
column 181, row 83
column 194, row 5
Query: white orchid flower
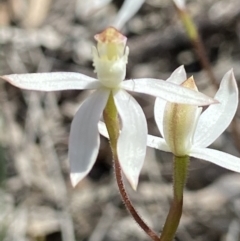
column 109, row 59
column 186, row 131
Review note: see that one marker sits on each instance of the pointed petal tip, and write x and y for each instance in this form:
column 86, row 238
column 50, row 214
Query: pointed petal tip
column 229, row 74
column 134, row 188
column 76, row 178
column 11, row 79
column 178, row 75
column 132, row 179
column 230, row 80
column 4, row 77
column 210, row 101
column 232, row 76
column 133, row 182
column 103, row 129
column 181, row 67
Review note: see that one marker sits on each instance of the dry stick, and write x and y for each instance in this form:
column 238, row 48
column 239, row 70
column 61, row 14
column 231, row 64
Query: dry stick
column 235, row 131
column 202, row 55
column 193, row 35
column 110, row 116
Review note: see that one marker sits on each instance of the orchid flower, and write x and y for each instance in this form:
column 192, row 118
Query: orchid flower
column 186, row 131
column 109, row 59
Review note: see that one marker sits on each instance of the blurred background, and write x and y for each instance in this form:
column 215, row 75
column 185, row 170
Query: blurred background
column 37, row 201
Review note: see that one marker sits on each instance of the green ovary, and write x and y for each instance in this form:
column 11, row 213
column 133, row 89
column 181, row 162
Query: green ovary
column 178, row 127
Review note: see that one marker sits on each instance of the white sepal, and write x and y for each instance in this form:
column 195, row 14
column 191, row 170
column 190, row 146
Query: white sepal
column 52, row 81
column 84, row 137
column 217, row 157
column 167, row 91
column 157, row 143
column 217, row 118
column 132, row 142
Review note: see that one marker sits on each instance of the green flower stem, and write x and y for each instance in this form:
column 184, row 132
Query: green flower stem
column 175, row 212
column 193, row 35
column 110, row 116
column 189, row 25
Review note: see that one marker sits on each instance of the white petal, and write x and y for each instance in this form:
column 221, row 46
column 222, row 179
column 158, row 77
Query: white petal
column 84, row 136
column 157, row 143
column 132, row 141
column 85, row 9
column 159, row 109
column 167, row 91
column 52, row 81
column 103, row 129
column 127, row 11
column 177, row 77
column 217, row 117
column 217, row 157
column 181, row 4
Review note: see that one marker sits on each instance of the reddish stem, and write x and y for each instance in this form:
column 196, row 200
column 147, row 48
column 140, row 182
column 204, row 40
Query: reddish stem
column 129, row 205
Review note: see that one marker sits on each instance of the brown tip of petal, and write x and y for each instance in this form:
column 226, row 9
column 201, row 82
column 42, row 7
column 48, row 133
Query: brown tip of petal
column 110, row 35
column 190, row 84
